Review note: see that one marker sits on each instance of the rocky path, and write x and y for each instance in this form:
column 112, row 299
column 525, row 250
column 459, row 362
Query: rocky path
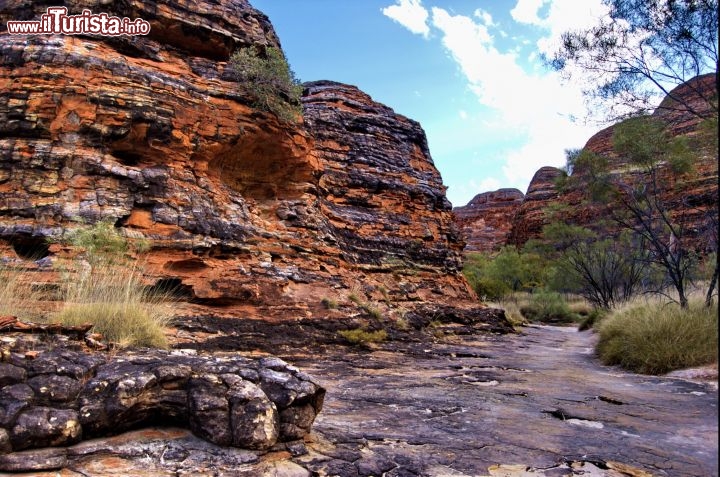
column 534, row 404
column 538, row 403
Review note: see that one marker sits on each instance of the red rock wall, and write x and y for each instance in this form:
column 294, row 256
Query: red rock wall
column 154, row 133
column 486, row 221
column 690, row 197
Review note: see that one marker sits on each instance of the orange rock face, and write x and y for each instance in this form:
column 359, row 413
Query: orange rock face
column 486, row 221
column 154, row 133
column 689, row 199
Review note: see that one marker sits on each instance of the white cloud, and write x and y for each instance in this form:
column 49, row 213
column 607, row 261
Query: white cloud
column 410, row 14
column 535, row 106
column 485, row 17
column 532, row 106
column 465, row 192
column 565, row 15
column 488, row 184
column 526, row 11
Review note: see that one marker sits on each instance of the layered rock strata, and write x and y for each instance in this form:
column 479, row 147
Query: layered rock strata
column 691, row 199
column 56, row 396
column 486, row 221
column 154, row 133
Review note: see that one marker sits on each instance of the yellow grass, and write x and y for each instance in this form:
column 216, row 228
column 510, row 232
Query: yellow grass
column 121, row 308
column 654, row 336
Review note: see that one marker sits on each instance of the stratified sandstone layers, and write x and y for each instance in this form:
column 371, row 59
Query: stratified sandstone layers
column 690, row 199
column 155, row 134
column 531, row 216
column 486, row 221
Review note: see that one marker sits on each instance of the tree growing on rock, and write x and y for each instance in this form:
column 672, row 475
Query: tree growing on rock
column 269, row 80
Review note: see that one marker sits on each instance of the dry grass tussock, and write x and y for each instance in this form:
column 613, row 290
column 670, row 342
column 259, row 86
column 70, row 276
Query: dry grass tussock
column 112, row 297
column 115, row 299
column 655, row 336
column 18, row 295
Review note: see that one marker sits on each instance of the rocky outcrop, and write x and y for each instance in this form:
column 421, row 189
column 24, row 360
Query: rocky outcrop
column 240, row 208
column 689, row 199
column 55, row 395
column 380, row 193
column 530, row 217
column 486, row 221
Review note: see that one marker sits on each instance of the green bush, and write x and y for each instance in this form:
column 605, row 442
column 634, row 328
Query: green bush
column 102, row 242
column 657, row 337
column 548, row 307
column 362, row 336
column 495, row 277
column 268, row 79
column 489, row 289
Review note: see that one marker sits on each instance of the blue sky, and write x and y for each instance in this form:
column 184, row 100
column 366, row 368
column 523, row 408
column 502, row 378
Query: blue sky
column 468, row 70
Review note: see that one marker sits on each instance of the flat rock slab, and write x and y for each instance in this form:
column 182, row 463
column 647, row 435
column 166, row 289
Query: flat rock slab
column 53, row 396
column 535, row 404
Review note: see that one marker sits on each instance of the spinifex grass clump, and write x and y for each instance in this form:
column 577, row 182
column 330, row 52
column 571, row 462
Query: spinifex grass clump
column 657, row 337
column 121, row 308
column 362, row 336
column 107, row 290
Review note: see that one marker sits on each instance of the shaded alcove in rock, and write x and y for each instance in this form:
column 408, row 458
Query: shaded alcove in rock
column 267, row 164
column 172, row 287
column 30, row 247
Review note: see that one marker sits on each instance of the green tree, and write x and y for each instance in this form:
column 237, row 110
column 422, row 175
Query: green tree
column 609, row 271
column 636, row 198
column 640, row 50
column 269, row 80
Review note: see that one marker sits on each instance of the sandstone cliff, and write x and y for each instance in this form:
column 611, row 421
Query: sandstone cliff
column 691, row 196
column 240, row 208
column 486, row 221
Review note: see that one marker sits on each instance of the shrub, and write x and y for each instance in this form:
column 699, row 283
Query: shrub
column 103, row 242
column 548, row 307
column 362, row 336
column 268, row 79
column 489, row 289
column 657, row 337
column 329, row 303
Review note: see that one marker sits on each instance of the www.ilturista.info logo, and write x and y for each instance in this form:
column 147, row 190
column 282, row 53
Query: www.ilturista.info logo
column 57, row 21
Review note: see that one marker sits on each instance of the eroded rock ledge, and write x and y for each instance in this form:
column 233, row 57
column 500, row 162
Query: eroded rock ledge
column 54, row 395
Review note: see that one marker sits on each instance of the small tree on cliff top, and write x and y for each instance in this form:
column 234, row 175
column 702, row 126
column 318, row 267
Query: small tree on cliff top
column 269, row 81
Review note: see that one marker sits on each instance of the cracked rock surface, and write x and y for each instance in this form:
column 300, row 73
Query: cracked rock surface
column 53, row 395
column 537, row 404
